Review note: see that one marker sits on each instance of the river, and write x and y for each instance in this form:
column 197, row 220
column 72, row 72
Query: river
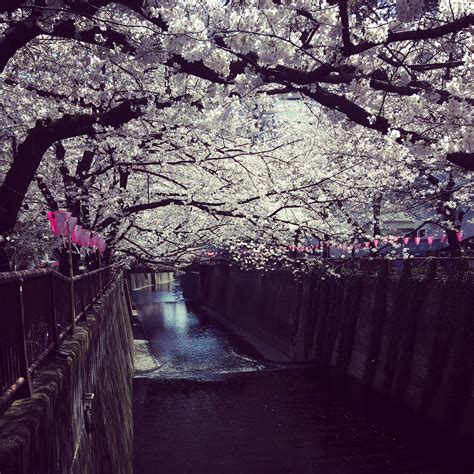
column 213, row 406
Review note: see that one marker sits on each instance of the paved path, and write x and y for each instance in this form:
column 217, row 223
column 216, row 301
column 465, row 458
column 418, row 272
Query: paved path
column 210, row 409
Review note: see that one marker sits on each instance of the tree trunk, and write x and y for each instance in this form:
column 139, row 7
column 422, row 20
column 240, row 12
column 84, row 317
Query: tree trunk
column 376, row 210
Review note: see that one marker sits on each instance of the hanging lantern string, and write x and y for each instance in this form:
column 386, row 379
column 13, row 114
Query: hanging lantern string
column 64, row 225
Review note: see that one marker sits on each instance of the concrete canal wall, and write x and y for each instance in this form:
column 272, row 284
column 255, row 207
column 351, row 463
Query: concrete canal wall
column 411, row 338
column 139, row 281
column 58, row 431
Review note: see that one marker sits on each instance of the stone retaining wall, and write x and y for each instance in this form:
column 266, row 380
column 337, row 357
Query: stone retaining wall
column 411, row 339
column 54, row 432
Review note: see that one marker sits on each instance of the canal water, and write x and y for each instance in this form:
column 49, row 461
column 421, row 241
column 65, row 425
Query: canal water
column 213, row 406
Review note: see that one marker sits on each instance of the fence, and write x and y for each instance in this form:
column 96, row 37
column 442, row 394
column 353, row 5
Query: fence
column 38, row 308
column 393, row 266
column 415, row 265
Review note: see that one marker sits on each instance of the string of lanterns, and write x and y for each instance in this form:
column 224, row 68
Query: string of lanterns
column 374, row 243
column 65, row 225
column 365, row 245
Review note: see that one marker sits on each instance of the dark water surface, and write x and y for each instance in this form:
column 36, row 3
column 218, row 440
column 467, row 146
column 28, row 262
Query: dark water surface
column 212, row 408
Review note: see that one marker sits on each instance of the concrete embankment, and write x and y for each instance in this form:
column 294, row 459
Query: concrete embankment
column 410, row 339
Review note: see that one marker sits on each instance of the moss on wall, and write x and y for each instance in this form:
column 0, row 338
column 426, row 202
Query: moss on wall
column 50, row 433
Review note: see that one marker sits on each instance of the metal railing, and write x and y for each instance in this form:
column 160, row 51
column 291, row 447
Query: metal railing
column 36, row 314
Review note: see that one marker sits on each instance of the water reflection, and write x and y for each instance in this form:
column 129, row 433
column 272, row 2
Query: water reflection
column 181, row 340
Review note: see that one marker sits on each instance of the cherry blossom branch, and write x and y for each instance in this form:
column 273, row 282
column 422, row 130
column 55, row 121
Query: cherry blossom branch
column 44, row 134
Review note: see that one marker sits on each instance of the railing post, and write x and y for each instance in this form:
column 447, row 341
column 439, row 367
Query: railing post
column 91, row 289
column 71, row 285
column 54, row 324
column 83, row 304
column 82, row 297
column 26, row 389
column 100, row 272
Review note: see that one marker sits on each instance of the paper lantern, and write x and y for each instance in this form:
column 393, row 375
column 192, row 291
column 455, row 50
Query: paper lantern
column 430, row 240
column 417, row 240
column 82, row 236
column 61, row 218
column 406, row 240
column 367, row 245
column 443, row 238
column 376, row 242
column 52, row 216
column 76, row 235
column 85, row 237
column 460, row 235
column 69, row 226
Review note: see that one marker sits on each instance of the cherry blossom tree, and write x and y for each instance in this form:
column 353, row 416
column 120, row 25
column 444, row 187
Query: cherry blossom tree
column 174, row 97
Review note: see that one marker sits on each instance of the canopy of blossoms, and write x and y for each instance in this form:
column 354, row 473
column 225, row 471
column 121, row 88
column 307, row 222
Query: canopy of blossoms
column 161, row 124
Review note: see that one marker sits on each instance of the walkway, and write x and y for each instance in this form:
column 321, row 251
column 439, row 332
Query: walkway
column 211, row 409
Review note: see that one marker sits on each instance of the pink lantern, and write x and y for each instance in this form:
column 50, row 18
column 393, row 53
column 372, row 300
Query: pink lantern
column 376, row 242
column 417, row 240
column 83, row 236
column 406, row 240
column 70, row 225
column 443, row 238
column 460, row 235
column 52, row 216
column 430, row 240
column 61, row 218
column 367, row 245
column 76, row 235
column 86, row 237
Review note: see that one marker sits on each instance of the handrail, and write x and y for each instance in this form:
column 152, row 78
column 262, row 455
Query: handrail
column 38, row 310
column 24, row 274
column 92, row 272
